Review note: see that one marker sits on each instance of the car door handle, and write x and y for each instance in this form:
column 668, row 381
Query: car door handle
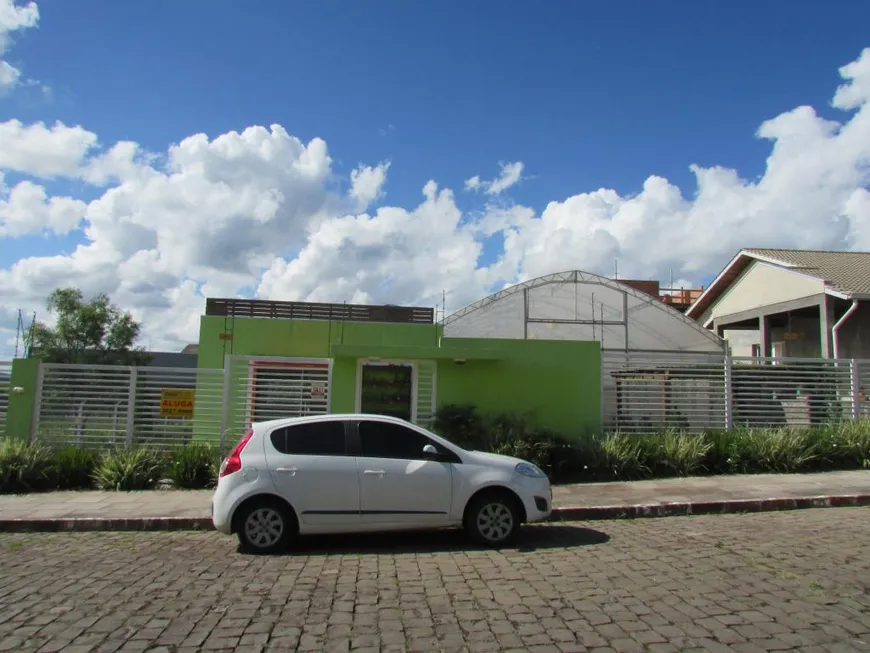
column 374, row 472
column 288, row 470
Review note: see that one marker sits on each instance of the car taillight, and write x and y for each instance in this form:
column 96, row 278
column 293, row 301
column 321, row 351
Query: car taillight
column 233, row 462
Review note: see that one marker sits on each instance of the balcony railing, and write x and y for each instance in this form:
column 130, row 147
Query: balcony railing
column 319, row 311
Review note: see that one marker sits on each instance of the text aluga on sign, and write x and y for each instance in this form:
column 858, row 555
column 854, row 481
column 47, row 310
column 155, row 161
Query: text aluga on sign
column 175, row 402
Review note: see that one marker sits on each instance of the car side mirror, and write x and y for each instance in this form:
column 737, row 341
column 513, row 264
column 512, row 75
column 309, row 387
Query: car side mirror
column 430, row 452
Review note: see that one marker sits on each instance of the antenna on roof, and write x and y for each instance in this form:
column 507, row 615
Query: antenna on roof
column 615, row 269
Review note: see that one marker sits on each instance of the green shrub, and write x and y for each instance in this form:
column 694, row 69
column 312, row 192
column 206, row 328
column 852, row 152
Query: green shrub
column 73, row 468
column 682, row 454
column 756, row 450
column 128, row 468
column 628, row 456
column 24, row 467
column 847, row 445
column 194, row 466
column 461, row 424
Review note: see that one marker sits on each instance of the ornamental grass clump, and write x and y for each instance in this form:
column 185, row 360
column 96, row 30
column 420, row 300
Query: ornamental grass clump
column 194, row 466
column 128, row 468
column 24, row 467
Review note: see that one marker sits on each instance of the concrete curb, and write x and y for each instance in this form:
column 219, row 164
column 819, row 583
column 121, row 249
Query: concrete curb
column 722, row 507
column 579, row 513
column 85, row 524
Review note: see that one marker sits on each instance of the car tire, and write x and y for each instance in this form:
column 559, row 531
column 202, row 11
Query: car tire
column 265, row 526
column 492, row 519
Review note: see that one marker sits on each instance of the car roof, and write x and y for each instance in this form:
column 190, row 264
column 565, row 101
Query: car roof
column 332, row 417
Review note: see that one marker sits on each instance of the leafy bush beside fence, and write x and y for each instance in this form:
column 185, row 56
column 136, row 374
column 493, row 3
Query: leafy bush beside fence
column 615, row 456
column 26, row 467
column 622, row 456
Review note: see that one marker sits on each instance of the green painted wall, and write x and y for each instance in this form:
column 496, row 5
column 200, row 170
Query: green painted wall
column 19, row 413
column 298, row 339
column 556, row 383
column 343, row 398
column 301, row 338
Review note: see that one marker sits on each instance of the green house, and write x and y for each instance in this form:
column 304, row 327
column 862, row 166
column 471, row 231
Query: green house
column 282, row 359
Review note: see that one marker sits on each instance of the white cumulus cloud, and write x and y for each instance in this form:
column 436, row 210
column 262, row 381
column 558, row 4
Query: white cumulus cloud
column 367, row 184
column 41, row 151
column 13, row 17
column 511, row 174
column 255, row 212
column 26, row 209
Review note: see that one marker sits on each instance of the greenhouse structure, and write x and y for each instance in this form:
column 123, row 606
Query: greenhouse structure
column 583, row 306
column 643, row 342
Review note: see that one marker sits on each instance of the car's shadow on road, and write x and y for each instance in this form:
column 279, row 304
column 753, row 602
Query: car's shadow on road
column 531, row 538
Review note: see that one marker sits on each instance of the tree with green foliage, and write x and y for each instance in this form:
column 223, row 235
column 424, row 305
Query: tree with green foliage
column 93, row 331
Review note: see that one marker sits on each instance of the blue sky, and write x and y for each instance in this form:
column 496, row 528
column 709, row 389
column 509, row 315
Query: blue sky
column 586, row 95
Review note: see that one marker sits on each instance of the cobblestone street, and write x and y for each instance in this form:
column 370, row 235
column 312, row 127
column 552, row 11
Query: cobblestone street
column 772, row 581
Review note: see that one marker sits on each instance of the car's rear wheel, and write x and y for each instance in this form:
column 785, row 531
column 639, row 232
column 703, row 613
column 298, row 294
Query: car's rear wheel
column 265, row 526
column 492, row 519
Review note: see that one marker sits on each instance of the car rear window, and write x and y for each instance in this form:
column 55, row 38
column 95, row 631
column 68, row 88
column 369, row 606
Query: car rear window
column 311, row 439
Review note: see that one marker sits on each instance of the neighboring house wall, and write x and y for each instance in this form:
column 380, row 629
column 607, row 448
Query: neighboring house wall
column 171, row 359
column 804, row 338
column 760, row 285
column 556, row 383
column 854, row 335
column 740, row 341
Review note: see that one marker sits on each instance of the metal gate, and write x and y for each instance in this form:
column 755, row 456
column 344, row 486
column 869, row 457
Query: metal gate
column 102, row 405
column 263, row 388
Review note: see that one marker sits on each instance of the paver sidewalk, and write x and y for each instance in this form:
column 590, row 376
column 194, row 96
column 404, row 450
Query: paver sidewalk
column 191, row 509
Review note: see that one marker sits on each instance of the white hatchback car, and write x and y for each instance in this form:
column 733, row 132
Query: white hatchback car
column 358, row 473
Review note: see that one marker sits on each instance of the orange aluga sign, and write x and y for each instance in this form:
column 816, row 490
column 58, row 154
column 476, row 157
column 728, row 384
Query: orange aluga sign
column 175, row 402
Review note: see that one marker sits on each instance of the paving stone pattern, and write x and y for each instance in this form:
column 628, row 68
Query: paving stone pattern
column 763, row 582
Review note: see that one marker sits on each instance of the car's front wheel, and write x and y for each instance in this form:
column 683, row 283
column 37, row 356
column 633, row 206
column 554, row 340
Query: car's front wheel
column 265, row 526
column 492, row 519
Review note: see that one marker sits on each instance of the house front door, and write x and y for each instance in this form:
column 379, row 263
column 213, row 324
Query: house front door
column 387, row 389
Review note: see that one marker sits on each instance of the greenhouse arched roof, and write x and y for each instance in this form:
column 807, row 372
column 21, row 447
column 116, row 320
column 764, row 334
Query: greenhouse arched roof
column 577, row 305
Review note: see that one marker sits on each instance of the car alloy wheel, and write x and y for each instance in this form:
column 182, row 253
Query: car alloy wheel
column 265, row 527
column 492, row 519
column 495, row 522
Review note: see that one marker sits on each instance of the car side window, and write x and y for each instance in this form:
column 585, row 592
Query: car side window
column 386, row 440
column 312, row 439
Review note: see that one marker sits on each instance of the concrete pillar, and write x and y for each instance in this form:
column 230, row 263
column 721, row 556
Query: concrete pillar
column 764, row 335
column 826, row 321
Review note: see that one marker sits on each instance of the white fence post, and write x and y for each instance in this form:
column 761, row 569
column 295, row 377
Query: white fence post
column 37, row 401
column 225, row 404
column 855, row 384
column 729, row 401
column 131, row 405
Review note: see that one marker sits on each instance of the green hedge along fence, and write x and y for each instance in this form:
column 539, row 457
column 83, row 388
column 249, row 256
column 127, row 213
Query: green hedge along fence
column 620, row 456
column 611, row 457
column 28, row 467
